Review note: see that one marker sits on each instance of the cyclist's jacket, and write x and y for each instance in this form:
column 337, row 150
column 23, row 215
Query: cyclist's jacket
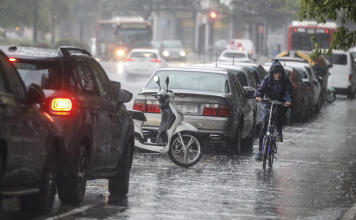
column 280, row 90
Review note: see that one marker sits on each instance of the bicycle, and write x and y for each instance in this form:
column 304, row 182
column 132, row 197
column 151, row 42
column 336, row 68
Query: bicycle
column 270, row 137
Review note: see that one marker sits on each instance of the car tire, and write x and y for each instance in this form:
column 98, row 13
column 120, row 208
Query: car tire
column 41, row 203
column 234, row 145
column 248, row 143
column 71, row 189
column 119, row 184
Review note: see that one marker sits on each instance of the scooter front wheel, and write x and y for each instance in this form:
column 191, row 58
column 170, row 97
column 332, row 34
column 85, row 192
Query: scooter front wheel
column 185, row 150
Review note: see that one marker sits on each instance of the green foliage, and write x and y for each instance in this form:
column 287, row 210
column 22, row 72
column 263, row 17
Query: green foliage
column 323, row 10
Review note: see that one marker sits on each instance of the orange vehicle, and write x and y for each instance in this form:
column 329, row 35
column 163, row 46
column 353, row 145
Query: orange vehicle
column 117, row 37
column 300, row 33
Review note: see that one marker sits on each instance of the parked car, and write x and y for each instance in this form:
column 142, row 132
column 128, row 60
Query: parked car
column 211, row 99
column 244, row 76
column 300, row 108
column 172, row 50
column 88, row 111
column 29, row 143
column 243, row 45
column 142, row 63
column 257, row 71
column 311, row 81
column 234, row 56
column 342, row 75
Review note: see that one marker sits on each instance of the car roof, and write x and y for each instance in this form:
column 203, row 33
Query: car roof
column 221, row 66
column 145, row 50
column 269, row 66
column 34, row 52
column 198, row 69
column 294, row 59
column 234, row 51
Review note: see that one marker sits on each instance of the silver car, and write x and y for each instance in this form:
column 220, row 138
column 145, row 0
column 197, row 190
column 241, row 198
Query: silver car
column 211, row 99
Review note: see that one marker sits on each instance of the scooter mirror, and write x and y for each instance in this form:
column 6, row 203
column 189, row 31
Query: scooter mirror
column 167, row 81
column 156, row 79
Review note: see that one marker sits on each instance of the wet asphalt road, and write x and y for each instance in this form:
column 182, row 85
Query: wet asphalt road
column 312, row 178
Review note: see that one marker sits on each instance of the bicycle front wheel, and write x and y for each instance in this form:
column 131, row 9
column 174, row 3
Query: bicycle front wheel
column 265, row 152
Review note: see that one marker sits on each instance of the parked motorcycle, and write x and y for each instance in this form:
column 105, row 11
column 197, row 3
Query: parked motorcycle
column 329, row 95
column 174, row 136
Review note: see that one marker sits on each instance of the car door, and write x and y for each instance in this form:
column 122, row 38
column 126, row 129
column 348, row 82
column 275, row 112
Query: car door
column 115, row 135
column 24, row 129
column 99, row 118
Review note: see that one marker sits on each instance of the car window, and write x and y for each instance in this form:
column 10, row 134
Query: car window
column 101, row 80
column 240, row 89
column 2, row 81
column 15, row 82
column 234, row 55
column 302, row 72
column 149, row 55
column 263, row 73
column 46, row 74
column 251, row 80
column 85, row 78
column 179, row 79
column 298, row 76
column 242, row 78
column 338, row 59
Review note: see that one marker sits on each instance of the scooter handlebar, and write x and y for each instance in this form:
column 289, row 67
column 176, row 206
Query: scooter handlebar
column 274, row 102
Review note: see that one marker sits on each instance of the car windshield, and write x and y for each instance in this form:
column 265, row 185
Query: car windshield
column 172, row 44
column 149, row 55
column 214, row 82
column 46, row 74
column 234, row 55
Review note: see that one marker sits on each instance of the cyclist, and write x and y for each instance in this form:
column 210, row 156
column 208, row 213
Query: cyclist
column 274, row 86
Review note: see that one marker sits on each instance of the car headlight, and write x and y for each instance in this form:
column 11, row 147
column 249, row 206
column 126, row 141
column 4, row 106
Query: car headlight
column 182, row 53
column 120, row 52
column 165, row 53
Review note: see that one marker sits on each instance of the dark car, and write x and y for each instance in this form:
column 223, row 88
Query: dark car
column 29, row 143
column 211, row 99
column 172, row 50
column 89, row 113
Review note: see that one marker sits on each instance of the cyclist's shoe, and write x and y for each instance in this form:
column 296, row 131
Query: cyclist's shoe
column 259, row 156
column 279, row 137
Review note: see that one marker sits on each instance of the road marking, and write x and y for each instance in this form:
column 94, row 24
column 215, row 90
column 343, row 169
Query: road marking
column 350, row 214
column 72, row 212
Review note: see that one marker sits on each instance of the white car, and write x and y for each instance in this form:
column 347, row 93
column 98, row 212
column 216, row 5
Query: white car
column 235, row 56
column 242, row 45
column 143, row 63
column 342, row 75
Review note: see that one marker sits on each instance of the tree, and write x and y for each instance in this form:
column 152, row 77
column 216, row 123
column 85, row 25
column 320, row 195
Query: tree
column 321, row 10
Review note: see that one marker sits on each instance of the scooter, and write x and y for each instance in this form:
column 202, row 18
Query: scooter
column 174, row 136
column 329, row 95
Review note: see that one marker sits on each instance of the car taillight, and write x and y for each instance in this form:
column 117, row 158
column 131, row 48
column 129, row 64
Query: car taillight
column 217, row 110
column 140, row 105
column 210, row 109
column 61, row 106
column 156, row 60
column 350, row 77
column 129, row 59
column 153, row 107
column 12, row 59
column 225, row 111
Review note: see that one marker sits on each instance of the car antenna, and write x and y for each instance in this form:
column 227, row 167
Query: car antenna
column 204, row 58
column 233, row 60
column 216, row 58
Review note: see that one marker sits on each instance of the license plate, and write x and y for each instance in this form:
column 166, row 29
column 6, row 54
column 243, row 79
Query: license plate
column 189, row 109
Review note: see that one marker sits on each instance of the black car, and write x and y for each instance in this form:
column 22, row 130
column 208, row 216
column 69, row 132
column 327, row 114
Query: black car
column 257, row 71
column 88, row 110
column 29, row 143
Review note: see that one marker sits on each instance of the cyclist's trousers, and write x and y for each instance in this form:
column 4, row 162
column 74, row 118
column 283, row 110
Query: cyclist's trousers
column 279, row 123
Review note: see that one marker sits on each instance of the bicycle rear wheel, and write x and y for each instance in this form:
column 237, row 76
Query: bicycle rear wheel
column 271, row 154
column 265, row 152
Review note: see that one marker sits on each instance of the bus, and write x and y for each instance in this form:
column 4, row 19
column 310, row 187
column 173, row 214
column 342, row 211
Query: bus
column 117, row 37
column 300, row 34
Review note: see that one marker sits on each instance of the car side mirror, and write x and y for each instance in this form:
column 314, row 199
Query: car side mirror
column 35, row 94
column 123, row 96
column 250, row 92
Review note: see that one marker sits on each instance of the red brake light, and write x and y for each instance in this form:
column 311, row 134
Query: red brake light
column 156, row 60
column 12, row 59
column 295, row 29
column 153, row 107
column 129, row 59
column 210, row 109
column 140, row 105
column 225, row 111
column 251, row 51
column 350, row 77
column 327, row 31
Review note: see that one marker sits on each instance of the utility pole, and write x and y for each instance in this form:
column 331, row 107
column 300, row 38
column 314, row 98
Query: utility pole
column 35, row 22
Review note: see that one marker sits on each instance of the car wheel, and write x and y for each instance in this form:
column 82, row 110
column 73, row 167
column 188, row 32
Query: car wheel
column 119, row 184
column 41, row 203
column 71, row 189
column 234, row 145
column 249, row 140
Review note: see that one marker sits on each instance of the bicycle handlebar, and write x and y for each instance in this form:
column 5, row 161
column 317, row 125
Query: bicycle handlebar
column 274, row 102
